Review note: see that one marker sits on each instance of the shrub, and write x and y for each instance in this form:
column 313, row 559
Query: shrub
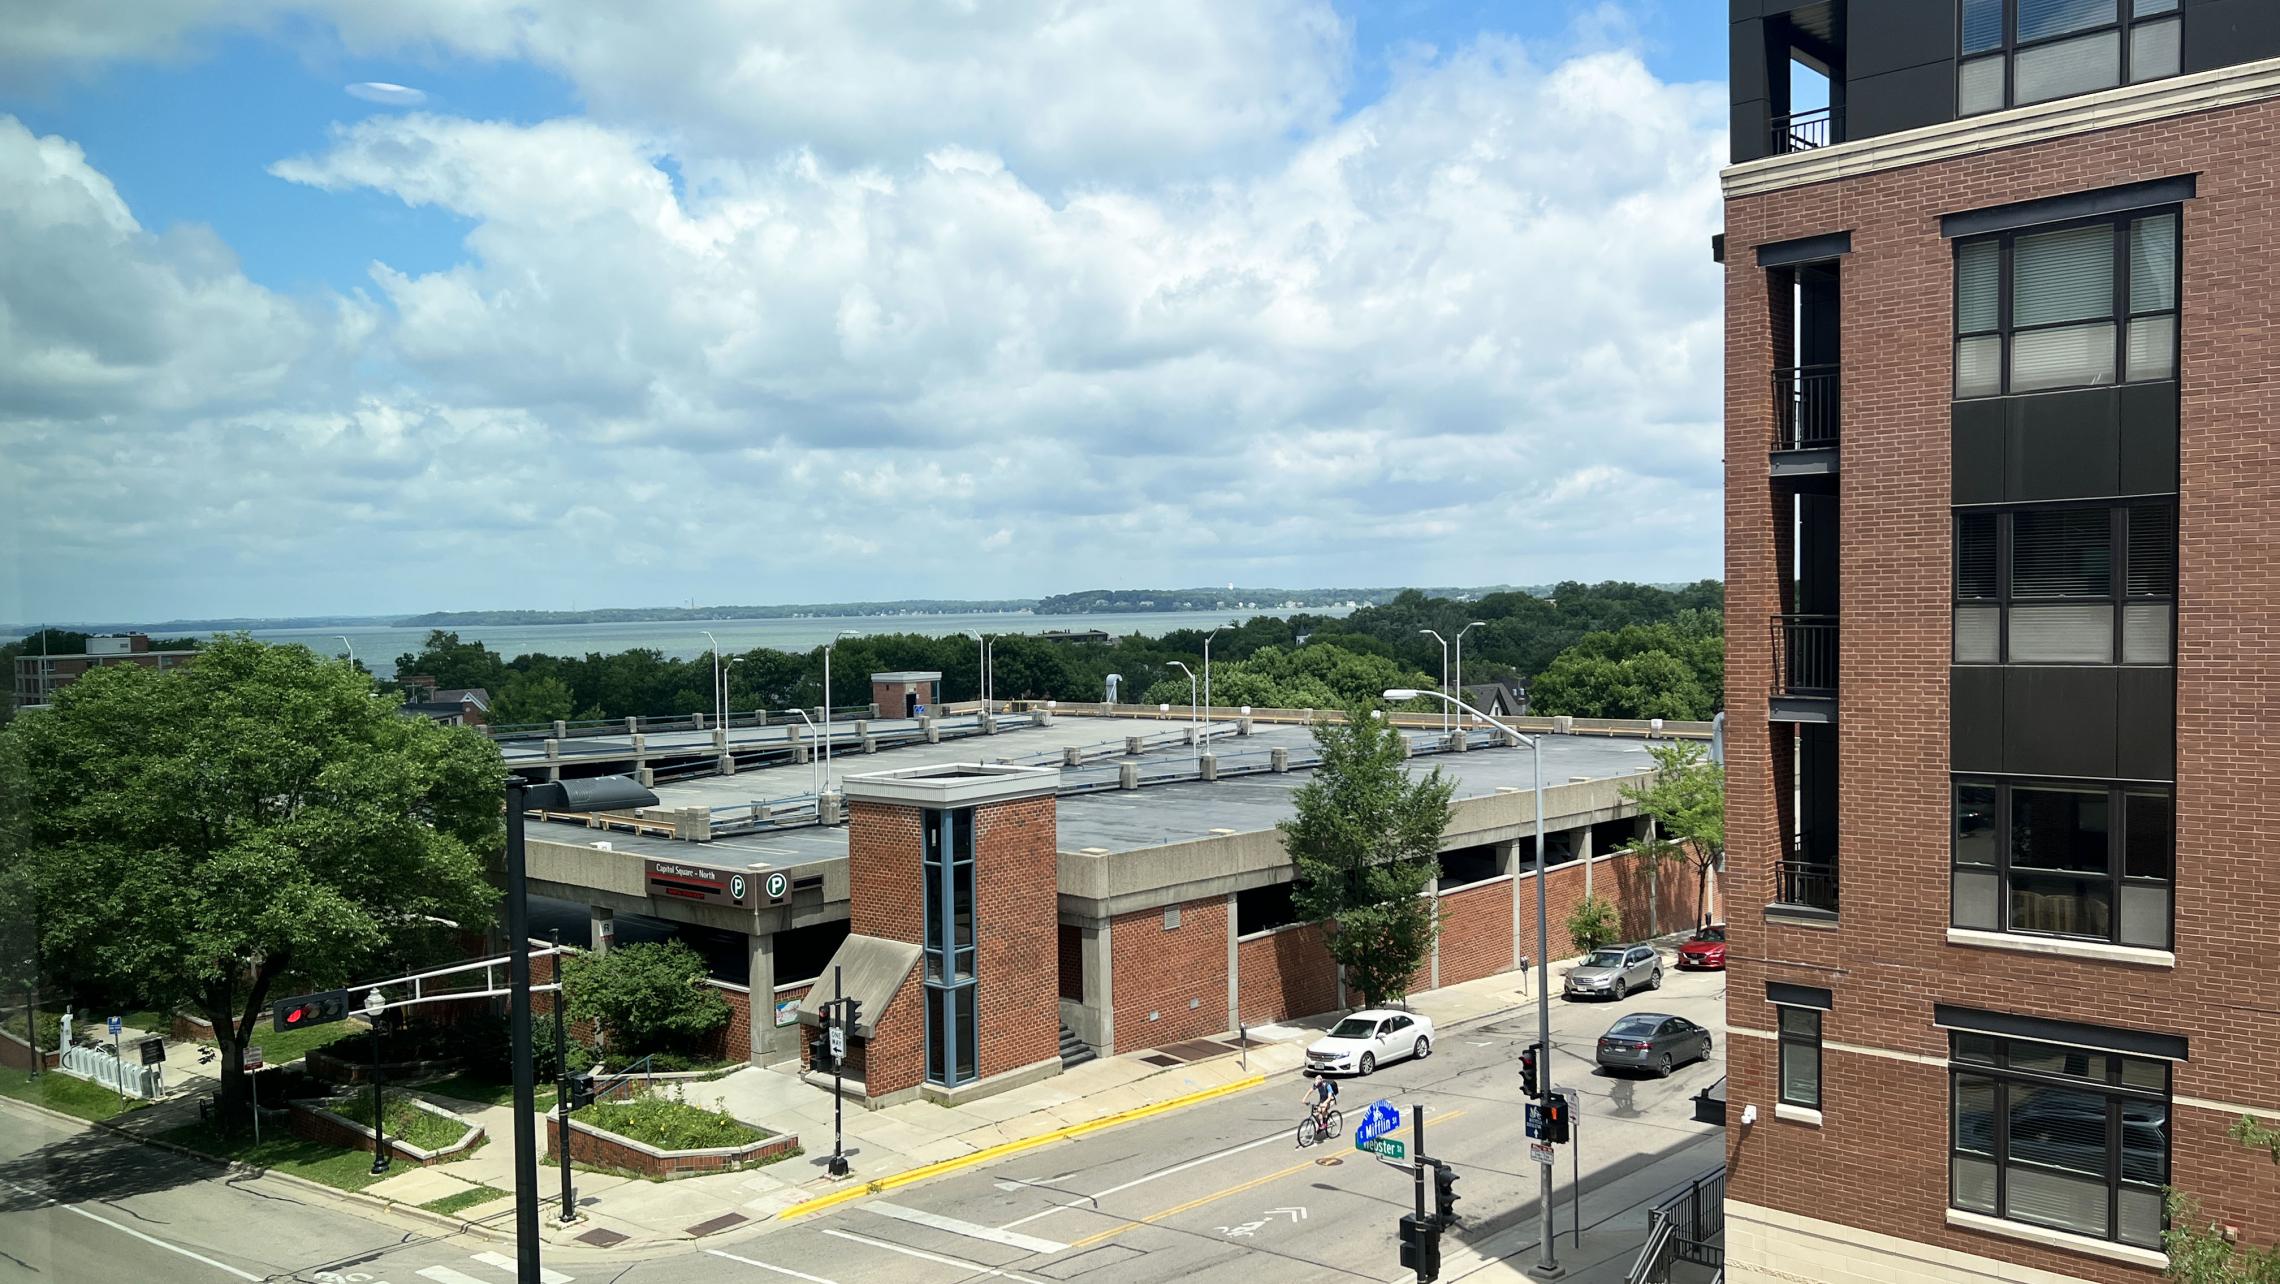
column 671, row 1123
column 1594, row 923
column 647, row 997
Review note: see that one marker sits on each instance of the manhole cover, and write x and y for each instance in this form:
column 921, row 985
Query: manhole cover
column 601, row 1238
column 720, row 1223
column 1331, row 1162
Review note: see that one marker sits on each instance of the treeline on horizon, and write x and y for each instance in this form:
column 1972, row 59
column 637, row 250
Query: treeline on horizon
column 1614, row 649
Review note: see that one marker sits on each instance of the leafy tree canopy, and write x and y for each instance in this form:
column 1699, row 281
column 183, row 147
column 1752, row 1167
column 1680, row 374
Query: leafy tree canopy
column 1674, row 669
column 646, row 997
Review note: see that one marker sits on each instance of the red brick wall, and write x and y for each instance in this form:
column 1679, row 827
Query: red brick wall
column 1163, row 972
column 304, row 1120
column 15, row 1054
column 1285, row 974
column 1476, row 931
column 733, row 1042
column 885, row 895
column 895, row 1057
column 1889, row 962
column 588, row 1146
column 1017, row 934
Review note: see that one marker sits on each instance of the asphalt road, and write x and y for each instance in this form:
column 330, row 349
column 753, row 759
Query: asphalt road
column 1219, row 1191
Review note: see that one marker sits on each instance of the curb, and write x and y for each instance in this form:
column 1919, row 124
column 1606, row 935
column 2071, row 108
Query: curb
column 921, row 1173
column 238, row 1169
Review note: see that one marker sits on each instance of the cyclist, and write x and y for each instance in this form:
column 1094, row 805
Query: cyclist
column 1321, row 1097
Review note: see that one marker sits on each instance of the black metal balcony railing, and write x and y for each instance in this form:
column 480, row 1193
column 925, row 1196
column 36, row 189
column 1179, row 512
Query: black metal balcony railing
column 1805, row 655
column 1808, row 883
column 1805, row 130
column 1805, row 407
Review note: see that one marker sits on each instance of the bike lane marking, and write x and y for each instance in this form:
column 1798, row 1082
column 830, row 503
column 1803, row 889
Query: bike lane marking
column 1090, row 1201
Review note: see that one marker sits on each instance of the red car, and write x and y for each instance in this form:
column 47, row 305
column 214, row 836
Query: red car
column 1705, row 950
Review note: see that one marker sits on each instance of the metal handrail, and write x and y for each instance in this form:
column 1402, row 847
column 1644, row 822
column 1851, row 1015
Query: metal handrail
column 1806, row 882
column 1805, row 406
column 1805, row 131
column 1804, row 655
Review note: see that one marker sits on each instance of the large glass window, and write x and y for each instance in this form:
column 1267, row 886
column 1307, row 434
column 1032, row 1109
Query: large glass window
column 2066, row 585
column 2015, row 52
column 2062, row 1137
column 947, row 866
column 2078, row 305
column 1801, row 1057
column 2052, row 858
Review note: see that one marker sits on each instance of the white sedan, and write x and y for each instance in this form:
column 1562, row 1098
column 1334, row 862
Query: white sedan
column 1367, row 1039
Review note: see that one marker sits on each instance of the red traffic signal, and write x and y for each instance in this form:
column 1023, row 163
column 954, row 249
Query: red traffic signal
column 308, row 1009
column 1528, row 1086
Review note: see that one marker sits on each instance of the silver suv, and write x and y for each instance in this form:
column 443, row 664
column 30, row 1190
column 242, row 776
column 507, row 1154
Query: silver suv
column 1615, row 971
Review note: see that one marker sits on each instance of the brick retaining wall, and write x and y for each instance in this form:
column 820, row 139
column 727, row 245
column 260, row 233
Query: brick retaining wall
column 590, row 1145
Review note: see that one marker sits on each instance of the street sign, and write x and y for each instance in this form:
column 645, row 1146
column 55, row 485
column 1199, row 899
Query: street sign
column 1378, row 1120
column 838, row 1044
column 685, row 882
column 153, row 1051
column 736, row 887
column 1535, row 1121
column 253, row 1056
column 779, row 886
column 113, row 1024
column 1540, row 1151
column 1390, row 1147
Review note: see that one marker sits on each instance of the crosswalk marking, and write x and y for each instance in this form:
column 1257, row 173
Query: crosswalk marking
column 546, row 1275
column 780, row 1270
column 446, row 1275
column 920, row 1217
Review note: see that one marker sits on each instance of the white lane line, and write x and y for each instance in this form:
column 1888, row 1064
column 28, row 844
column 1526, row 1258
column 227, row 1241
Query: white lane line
column 546, row 1274
column 446, row 1275
column 147, row 1239
column 780, row 1270
column 959, row 1262
column 920, row 1217
column 1142, row 1181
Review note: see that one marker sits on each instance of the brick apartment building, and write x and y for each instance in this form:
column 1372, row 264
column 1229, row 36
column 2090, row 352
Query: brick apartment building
column 2001, row 495
column 39, row 677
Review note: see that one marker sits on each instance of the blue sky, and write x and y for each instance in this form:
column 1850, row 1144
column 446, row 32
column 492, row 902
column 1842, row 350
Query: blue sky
column 1149, row 259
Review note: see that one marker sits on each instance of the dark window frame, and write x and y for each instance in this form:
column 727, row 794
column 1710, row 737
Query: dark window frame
column 1787, row 1045
column 2122, row 514
column 946, row 864
column 2120, row 312
column 2115, row 878
column 2113, row 1087
column 2125, row 24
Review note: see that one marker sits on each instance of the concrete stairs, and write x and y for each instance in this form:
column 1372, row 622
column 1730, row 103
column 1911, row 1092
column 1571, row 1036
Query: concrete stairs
column 1074, row 1051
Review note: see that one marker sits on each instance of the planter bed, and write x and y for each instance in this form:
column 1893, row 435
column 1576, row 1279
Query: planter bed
column 600, row 1148
column 323, row 1122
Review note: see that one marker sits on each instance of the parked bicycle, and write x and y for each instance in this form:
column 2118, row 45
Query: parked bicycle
column 1322, row 1127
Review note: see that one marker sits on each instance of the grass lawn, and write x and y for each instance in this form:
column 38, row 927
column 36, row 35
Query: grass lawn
column 464, row 1200
column 282, row 1151
column 671, row 1125
column 406, row 1121
column 462, row 1087
column 58, row 1091
column 277, row 1047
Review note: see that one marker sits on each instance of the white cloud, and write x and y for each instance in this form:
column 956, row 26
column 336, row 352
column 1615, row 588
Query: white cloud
column 1468, row 333
column 383, row 92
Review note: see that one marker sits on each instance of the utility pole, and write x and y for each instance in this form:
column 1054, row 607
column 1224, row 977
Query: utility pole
column 838, row 1025
column 562, row 1077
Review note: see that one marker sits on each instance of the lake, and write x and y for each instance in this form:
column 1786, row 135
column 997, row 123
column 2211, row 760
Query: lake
column 378, row 646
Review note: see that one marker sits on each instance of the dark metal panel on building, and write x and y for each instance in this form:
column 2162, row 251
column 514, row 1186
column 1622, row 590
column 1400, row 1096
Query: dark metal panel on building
column 1975, row 718
column 2225, row 33
column 2149, row 438
column 2065, row 445
column 1888, row 102
column 1890, row 35
column 2147, row 748
column 1747, row 72
column 1979, row 451
column 2059, row 721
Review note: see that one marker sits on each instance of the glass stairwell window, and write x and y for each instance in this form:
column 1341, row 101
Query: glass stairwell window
column 2014, row 52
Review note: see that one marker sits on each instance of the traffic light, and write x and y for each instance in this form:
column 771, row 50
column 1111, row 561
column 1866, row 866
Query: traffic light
column 308, row 1009
column 1528, row 1072
column 1556, row 1118
column 848, row 1010
column 1444, row 1195
column 581, row 1091
column 1421, row 1246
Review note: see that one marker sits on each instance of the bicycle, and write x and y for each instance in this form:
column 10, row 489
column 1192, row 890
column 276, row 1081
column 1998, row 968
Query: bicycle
column 1312, row 1129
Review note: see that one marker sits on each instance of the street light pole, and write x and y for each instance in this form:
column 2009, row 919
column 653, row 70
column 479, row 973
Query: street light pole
column 827, row 736
column 1444, row 673
column 1195, row 726
column 1547, row 1262
column 815, row 760
column 374, row 1005
column 1460, row 682
column 719, row 699
column 351, row 648
column 989, row 675
column 1207, row 660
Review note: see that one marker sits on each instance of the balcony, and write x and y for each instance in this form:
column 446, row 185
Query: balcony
column 1804, row 669
column 1807, row 131
column 1805, row 412
column 1804, row 888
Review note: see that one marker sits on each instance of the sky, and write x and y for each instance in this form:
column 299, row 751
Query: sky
column 320, row 306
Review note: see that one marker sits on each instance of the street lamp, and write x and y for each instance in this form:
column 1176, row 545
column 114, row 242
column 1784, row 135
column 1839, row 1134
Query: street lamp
column 1444, row 673
column 1207, row 660
column 843, row 633
column 981, row 665
column 815, row 760
column 1460, row 682
column 720, row 698
column 374, row 1005
column 1547, row 1263
column 1194, row 725
column 597, row 793
column 351, row 648
column 989, row 674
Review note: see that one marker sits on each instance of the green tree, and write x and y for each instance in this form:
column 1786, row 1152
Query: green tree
column 645, row 997
column 1686, row 799
column 205, row 837
column 2199, row 1252
column 1594, row 923
column 529, row 698
column 1365, row 840
column 1669, row 669
column 455, row 664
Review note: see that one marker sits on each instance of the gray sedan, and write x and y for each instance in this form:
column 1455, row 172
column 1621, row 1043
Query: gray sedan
column 1652, row 1041
column 1612, row 972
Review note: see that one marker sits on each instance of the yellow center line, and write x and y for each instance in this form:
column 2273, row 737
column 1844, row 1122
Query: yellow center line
column 1237, row 1189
